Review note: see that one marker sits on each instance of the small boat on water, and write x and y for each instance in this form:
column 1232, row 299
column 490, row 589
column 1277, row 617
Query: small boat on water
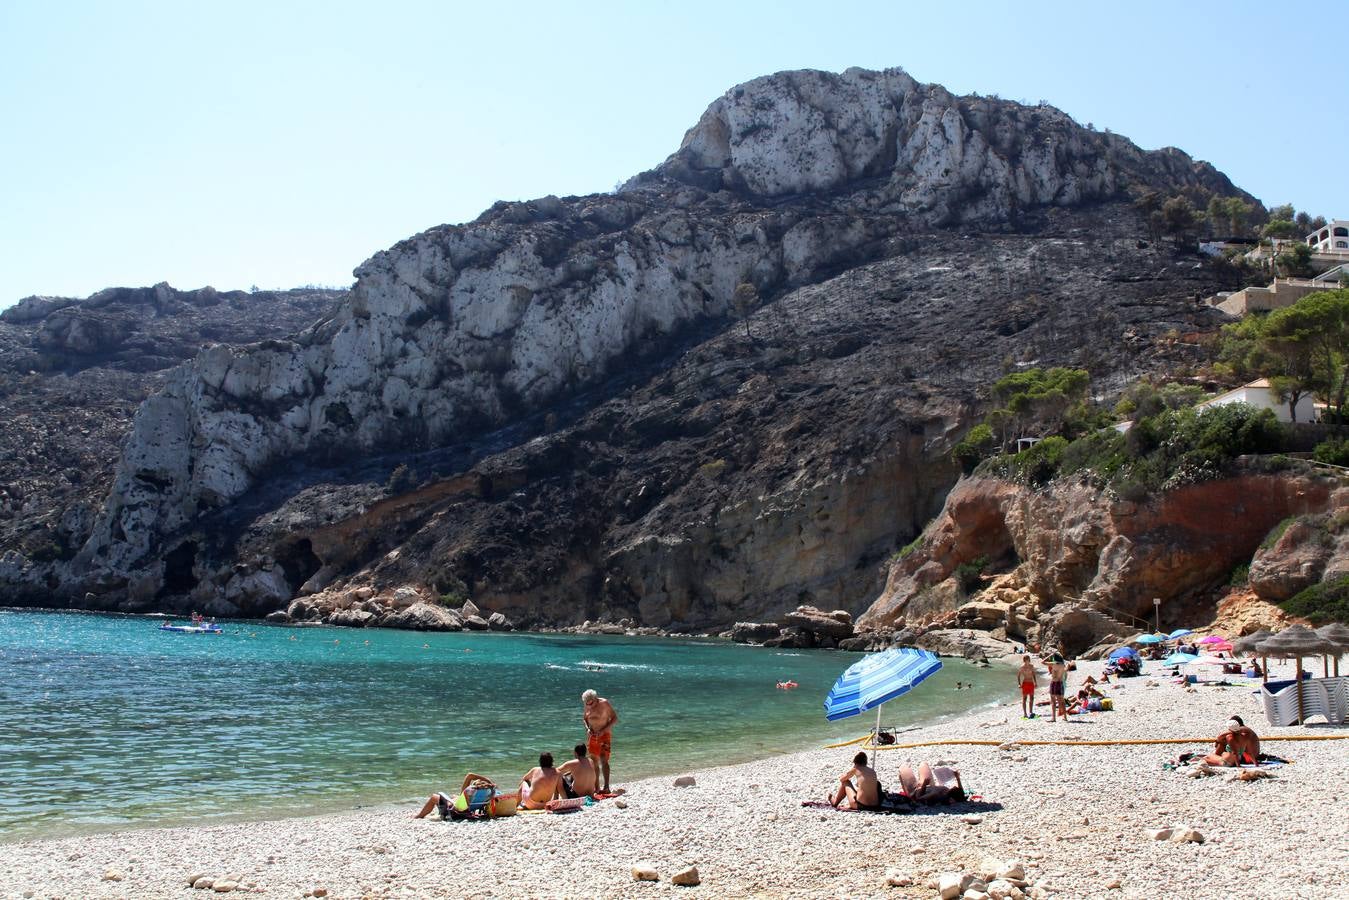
column 203, row 628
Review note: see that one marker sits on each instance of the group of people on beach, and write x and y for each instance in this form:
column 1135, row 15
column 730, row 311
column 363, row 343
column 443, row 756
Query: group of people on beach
column 576, row 778
column 1088, row 698
column 860, row 788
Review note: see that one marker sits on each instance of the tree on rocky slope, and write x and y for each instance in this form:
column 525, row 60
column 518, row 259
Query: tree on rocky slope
column 1315, row 332
column 1040, row 399
column 1229, row 212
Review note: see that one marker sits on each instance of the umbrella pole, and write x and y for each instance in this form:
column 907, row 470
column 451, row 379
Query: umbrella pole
column 1300, row 714
column 1325, row 666
column 876, row 736
column 1264, row 669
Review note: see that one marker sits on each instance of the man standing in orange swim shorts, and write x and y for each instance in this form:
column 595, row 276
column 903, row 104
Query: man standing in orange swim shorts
column 600, row 718
column 1025, row 677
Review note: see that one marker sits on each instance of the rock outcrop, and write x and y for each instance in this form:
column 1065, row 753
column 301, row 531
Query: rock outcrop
column 72, row 375
column 546, row 408
column 1310, row 548
column 1080, row 565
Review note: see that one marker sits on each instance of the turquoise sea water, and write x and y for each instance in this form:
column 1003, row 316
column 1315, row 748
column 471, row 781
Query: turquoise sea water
column 106, row 722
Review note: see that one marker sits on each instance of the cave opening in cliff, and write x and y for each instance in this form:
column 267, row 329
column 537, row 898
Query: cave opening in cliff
column 299, row 561
column 178, row 575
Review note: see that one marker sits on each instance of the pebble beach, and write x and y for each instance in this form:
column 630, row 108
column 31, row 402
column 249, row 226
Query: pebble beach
column 1057, row 821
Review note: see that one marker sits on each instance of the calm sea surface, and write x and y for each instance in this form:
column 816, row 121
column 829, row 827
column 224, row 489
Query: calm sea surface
column 106, row 722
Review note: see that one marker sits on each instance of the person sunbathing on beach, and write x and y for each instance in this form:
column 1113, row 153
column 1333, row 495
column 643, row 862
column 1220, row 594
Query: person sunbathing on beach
column 541, row 784
column 444, row 800
column 929, row 785
column 1238, row 744
column 864, row 793
column 579, row 777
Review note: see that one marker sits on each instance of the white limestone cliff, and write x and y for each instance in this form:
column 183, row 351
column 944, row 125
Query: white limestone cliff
column 463, row 328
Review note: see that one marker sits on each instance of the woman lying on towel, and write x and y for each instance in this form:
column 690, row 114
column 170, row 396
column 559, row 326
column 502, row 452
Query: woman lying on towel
column 931, row 785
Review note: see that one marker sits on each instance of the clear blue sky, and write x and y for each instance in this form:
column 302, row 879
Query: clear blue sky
column 279, row 143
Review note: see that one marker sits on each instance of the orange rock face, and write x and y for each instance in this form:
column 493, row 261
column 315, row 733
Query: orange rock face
column 1076, row 543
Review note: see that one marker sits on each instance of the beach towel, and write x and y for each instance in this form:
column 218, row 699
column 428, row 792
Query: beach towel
column 894, row 804
column 571, row 804
column 600, row 795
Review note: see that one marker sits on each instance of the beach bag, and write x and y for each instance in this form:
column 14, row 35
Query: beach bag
column 502, row 805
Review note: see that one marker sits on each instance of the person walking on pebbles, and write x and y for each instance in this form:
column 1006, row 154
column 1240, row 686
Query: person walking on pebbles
column 600, row 718
column 1025, row 677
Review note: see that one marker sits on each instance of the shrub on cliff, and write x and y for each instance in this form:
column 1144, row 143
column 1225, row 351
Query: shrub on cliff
column 976, row 445
column 1321, row 603
column 1332, row 451
column 1175, row 447
column 970, row 574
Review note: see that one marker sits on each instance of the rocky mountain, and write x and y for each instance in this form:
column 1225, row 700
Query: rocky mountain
column 72, row 375
column 725, row 389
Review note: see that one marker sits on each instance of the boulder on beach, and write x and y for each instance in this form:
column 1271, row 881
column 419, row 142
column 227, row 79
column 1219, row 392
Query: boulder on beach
column 687, row 877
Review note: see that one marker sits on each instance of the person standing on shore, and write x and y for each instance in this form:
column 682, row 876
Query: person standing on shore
column 1025, row 677
column 1058, row 683
column 600, row 718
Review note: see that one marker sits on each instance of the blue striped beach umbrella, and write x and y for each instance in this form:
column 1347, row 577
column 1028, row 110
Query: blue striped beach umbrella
column 876, row 678
column 1178, row 634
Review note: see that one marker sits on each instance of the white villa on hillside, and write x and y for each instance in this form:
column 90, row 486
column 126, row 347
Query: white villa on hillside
column 1259, row 394
column 1334, row 236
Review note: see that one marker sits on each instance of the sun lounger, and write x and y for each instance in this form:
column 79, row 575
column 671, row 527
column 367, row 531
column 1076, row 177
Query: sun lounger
column 1320, row 697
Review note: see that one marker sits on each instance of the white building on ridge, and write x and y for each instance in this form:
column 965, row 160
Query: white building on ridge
column 1334, row 236
column 1259, row 394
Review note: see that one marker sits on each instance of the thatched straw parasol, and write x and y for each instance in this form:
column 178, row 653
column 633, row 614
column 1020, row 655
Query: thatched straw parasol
column 1338, row 634
column 1297, row 641
column 1249, row 643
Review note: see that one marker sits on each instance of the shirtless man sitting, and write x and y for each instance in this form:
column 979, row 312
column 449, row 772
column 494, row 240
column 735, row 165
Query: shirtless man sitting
column 865, row 793
column 1237, row 745
column 579, row 778
column 541, row 784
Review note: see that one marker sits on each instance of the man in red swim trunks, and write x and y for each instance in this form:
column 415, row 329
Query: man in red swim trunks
column 600, row 718
column 1025, row 676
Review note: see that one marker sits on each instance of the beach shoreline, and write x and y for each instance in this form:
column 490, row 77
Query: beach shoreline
column 359, row 805
column 1077, row 818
